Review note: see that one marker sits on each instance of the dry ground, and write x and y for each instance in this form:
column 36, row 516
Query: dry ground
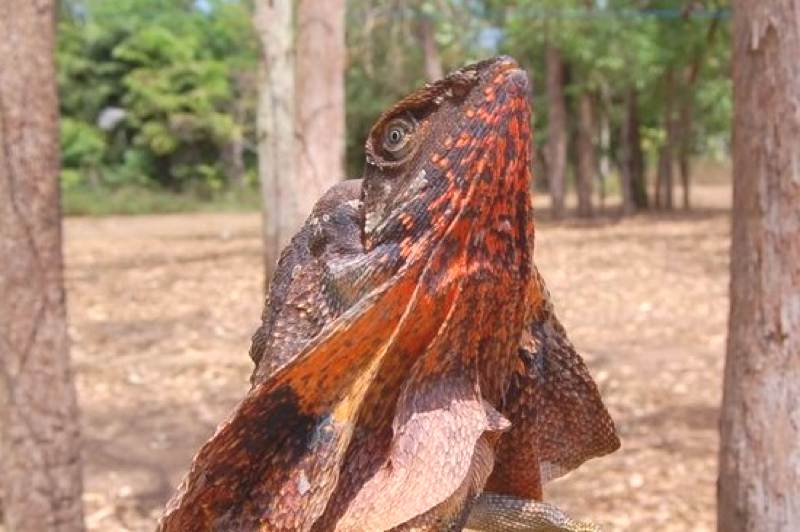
column 162, row 309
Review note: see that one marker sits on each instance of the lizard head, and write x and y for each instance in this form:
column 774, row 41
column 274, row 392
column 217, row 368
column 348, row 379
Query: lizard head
column 459, row 144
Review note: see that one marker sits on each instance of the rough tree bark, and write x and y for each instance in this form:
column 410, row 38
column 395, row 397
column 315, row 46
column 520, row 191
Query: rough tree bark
column 319, row 99
column 556, row 130
column 301, row 113
column 760, row 428
column 281, row 211
column 587, row 161
column 39, row 429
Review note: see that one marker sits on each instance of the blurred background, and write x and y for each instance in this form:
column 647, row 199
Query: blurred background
column 219, row 122
column 159, row 98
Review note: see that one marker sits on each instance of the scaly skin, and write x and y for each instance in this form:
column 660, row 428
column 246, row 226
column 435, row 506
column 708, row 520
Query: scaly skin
column 499, row 513
column 409, row 358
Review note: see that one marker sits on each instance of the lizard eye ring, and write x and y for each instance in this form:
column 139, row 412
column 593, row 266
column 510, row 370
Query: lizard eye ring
column 397, row 136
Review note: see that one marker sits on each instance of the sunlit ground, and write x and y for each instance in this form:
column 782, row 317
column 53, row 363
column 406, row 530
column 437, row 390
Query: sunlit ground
column 162, row 309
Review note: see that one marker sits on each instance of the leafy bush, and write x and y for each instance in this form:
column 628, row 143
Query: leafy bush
column 171, row 73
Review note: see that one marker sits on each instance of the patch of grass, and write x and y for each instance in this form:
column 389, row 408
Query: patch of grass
column 131, row 200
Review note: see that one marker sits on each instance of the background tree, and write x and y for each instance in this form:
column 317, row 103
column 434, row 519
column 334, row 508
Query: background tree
column 281, row 208
column 172, row 111
column 39, row 429
column 427, row 35
column 760, row 430
column 385, row 59
column 620, row 53
column 557, row 130
column 631, row 164
column 172, row 105
column 586, row 164
column 319, row 100
column 301, row 112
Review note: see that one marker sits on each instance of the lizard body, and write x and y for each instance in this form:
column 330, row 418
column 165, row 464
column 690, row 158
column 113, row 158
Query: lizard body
column 410, row 373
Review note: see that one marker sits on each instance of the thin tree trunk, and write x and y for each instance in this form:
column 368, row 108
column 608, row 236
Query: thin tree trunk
column 319, row 100
column 760, row 427
column 281, row 211
column 685, row 148
column 671, row 145
column 433, row 61
column 604, row 144
column 556, row 130
column 39, row 429
column 233, row 151
column 685, row 169
column 626, row 153
column 625, row 181
column 587, row 163
column 233, row 159
column 684, row 128
column 664, row 181
column 662, row 170
column 637, row 162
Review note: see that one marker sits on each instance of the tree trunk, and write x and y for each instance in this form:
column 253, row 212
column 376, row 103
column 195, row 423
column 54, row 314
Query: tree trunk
column 663, row 175
column 233, row 159
column 587, row 163
column 604, row 145
column 319, row 100
column 685, row 148
column 760, row 426
column 629, row 122
column 638, row 183
column 664, row 180
column 427, row 34
column 39, row 429
column 685, row 169
column 556, row 130
column 233, row 150
column 281, row 212
column 301, row 113
column 685, row 126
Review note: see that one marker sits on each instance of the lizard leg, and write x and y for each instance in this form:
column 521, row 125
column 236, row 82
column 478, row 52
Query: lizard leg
column 493, row 512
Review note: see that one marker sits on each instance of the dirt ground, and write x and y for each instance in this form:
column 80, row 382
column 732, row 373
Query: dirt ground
column 162, row 309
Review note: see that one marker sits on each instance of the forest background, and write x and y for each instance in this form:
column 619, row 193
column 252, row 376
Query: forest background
column 159, row 97
column 656, row 268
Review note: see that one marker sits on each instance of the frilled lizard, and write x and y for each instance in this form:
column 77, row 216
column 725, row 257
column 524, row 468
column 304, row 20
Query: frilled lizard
column 411, row 373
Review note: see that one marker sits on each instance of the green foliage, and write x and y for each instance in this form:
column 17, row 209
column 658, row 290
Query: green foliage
column 82, row 145
column 153, row 91
column 386, row 61
column 610, row 46
column 169, row 72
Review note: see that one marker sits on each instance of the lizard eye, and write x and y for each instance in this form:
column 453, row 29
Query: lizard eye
column 396, row 137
